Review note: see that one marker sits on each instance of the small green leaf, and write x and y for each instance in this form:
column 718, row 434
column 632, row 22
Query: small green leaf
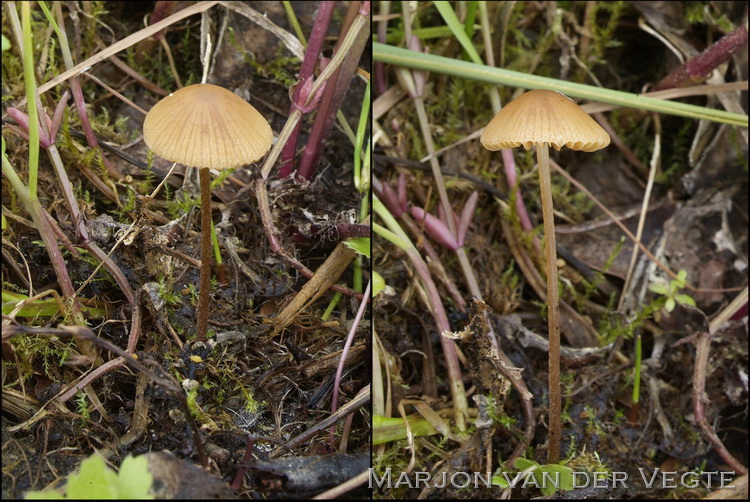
column 522, row 464
column 682, row 277
column 94, row 480
column 685, row 300
column 669, row 306
column 378, row 283
column 658, row 288
column 134, row 481
column 565, row 478
column 360, row 244
column 499, row 481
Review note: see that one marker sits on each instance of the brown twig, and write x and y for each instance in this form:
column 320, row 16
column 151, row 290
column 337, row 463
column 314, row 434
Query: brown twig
column 700, row 373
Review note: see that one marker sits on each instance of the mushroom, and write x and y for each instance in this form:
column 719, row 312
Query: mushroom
column 543, row 118
column 209, row 127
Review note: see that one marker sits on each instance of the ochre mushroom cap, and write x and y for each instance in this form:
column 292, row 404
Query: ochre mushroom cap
column 205, row 125
column 541, row 116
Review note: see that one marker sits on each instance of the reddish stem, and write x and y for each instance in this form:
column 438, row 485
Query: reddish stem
column 312, row 54
column 380, row 83
column 333, row 96
column 699, row 67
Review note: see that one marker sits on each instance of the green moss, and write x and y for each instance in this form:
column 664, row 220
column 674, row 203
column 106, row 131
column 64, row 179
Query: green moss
column 127, row 207
column 603, row 34
column 393, row 458
column 497, row 413
column 91, row 26
column 612, row 326
column 702, row 13
column 82, row 404
column 181, row 204
column 570, row 201
column 166, row 292
column 676, row 152
column 30, row 350
column 194, row 408
column 588, row 462
column 223, row 175
column 251, row 405
column 567, row 382
column 280, row 69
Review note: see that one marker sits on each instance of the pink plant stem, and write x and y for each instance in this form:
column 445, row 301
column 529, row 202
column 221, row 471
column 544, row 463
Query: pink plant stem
column 463, row 259
column 312, row 54
column 510, row 173
column 345, row 352
column 75, row 86
column 162, row 10
column 424, row 125
column 246, row 458
column 380, row 84
column 425, row 246
column 396, row 204
column 48, row 136
column 333, row 96
column 458, row 393
column 699, row 67
column 83, row 234
column 44, row 226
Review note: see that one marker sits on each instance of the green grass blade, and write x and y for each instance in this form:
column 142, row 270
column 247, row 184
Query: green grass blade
column 464, row 69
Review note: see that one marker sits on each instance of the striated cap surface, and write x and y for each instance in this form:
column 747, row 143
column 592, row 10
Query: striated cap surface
column 542, row 116
column 205, row 125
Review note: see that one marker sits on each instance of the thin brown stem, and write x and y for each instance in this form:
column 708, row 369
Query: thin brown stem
column 206, row 254
column 553, row 306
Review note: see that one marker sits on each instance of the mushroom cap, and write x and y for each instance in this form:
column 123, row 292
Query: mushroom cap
column 542, row 116
column 205, row 125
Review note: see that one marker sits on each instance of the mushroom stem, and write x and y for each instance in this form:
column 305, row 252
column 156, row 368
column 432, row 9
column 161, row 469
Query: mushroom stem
column 206, row 254
column 553, row 306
